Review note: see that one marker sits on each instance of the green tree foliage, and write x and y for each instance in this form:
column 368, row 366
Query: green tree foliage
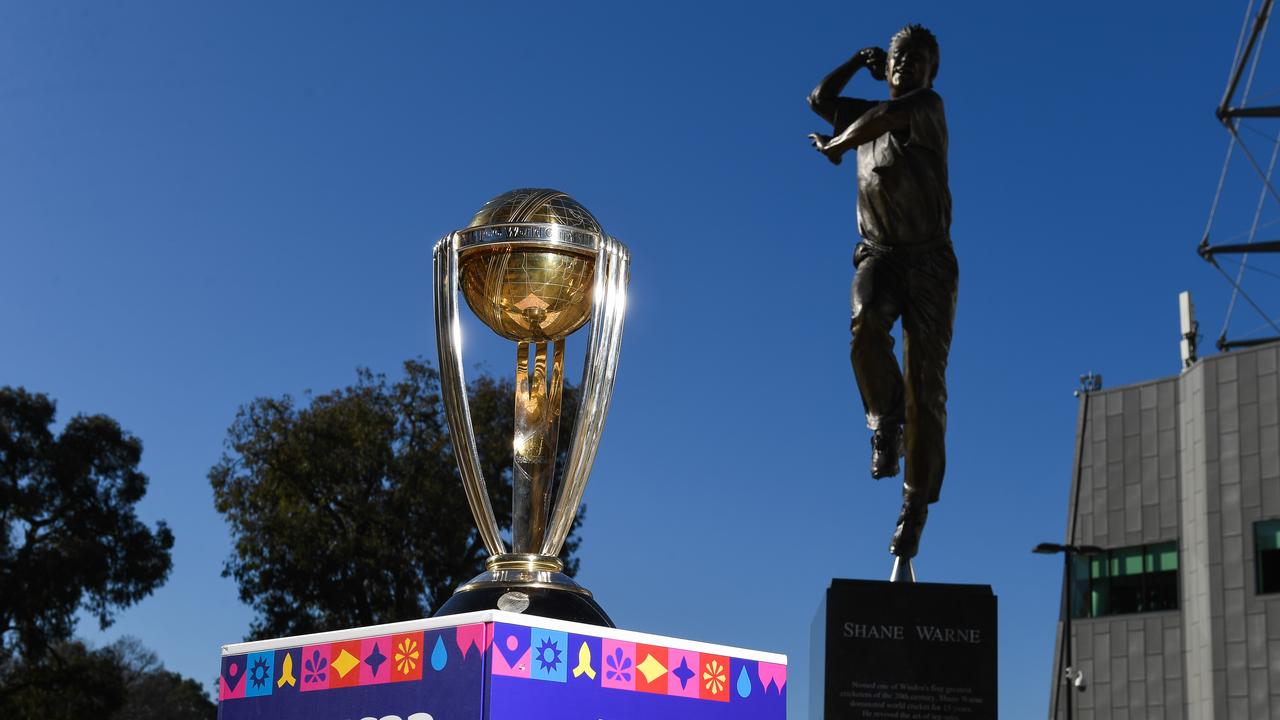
column 69, row 541
column 154, row 693
column 69, row 538
column 66, row 680
column 349, row 511
column 123, row 681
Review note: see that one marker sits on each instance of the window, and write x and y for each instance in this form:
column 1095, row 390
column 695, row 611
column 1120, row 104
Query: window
column 1266, row 555
column 1132, row 580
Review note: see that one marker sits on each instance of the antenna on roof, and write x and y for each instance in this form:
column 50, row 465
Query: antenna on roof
column 1190, row 328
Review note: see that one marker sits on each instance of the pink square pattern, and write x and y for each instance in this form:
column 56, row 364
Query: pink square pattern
column 618, row 666
column 310, row 679
column 368, row 675
column 690, row 660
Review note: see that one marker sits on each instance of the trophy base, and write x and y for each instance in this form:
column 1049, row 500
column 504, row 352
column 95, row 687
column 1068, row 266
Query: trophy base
column 527, row 583
column 560, row 604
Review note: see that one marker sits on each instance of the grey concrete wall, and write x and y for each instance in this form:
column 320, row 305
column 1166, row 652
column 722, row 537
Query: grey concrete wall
column 1196, row 551
column 1231, row 480
column 1128, row 495
column 1194, row 458
column 1240, row 482
column 1132, row 665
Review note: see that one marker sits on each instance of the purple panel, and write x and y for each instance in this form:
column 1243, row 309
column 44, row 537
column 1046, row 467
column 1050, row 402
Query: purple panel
column 513, row 698
column 592, row 693
column 584, row 666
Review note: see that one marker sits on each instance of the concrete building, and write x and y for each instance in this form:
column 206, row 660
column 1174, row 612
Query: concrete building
column 1178, row 480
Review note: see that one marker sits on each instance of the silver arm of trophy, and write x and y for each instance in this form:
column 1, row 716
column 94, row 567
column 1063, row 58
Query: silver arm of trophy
column 598, row 375
column 453, row 386
column 538, row 391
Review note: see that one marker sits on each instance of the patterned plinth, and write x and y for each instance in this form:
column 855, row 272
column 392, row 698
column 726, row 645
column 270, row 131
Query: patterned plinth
column 497, row 666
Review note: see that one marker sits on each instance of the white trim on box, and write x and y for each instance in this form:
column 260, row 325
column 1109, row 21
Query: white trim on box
column 487, row 616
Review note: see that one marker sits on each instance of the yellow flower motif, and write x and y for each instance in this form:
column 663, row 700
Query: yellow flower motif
column 713, row 676
column 406, row 657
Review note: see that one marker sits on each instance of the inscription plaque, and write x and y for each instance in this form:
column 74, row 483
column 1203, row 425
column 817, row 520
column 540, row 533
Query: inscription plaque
column 904, row 651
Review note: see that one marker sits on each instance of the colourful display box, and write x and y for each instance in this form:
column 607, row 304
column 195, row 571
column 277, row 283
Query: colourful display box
column 497, row 666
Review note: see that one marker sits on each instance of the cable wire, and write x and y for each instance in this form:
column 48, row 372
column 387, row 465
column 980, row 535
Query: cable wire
column 1231, row 144
column 1255, row 268
column 1232, row 126
column 1253, row 229
column 1248, row 299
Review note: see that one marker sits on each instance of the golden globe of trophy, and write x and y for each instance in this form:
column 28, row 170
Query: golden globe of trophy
column 534, row 266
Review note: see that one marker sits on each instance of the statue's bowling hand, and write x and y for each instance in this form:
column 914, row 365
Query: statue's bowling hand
column 821, row 142
column 874, row 60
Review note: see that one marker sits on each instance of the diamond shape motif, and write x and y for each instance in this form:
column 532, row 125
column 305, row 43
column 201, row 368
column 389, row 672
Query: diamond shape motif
column 345, row 663
column 651, row 668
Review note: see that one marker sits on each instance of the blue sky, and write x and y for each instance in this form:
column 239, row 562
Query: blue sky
column 203, row 204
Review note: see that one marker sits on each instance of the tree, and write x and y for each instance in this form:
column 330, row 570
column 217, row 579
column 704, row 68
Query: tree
column 123, row 681
column 67, row 680
column 69, row 537
column 349, row 511
column 154, row 693
column 69, row 541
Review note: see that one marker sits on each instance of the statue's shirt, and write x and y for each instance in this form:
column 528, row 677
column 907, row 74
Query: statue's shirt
column 904, row 201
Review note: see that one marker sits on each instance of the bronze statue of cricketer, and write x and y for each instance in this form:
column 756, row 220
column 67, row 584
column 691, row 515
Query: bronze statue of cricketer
column 905, row 266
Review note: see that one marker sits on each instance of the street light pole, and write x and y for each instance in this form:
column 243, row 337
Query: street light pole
column 1066, row 630
column 1068, row 552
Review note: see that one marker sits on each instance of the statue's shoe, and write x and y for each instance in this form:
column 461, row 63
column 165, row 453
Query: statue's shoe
column 906, row 537
column 886, row 448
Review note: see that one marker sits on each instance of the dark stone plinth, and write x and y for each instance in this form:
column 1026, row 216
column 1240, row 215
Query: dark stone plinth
column 904, row 651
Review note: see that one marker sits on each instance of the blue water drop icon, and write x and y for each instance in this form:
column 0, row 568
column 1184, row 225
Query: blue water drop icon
column 439, row 656
column 744, row 683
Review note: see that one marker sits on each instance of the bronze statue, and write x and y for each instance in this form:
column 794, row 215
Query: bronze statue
column 905, row 266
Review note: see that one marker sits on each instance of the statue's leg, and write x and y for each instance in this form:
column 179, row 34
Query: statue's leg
column 927, row 320
column 875, row 303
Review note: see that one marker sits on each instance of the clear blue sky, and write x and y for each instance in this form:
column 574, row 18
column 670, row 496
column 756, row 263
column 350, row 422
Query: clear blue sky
column 205, row 203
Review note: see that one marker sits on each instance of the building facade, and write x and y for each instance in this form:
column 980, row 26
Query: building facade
column 1178, row 480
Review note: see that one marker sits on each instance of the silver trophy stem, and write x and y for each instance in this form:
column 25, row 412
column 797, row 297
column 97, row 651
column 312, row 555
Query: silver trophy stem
column 598, row 375
column 537, row 428
column 453, row 389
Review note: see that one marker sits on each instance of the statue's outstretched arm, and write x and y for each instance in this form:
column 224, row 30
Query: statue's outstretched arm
column 884, row 117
